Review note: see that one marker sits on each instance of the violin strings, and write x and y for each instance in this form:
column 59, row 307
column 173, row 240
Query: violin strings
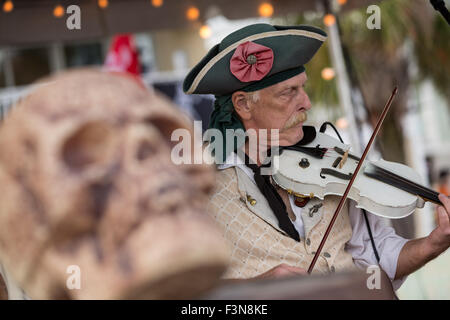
column 408, row 182
column 394, row 176
column 412, row 184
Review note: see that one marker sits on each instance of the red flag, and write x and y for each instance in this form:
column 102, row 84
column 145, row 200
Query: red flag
column 122, row 55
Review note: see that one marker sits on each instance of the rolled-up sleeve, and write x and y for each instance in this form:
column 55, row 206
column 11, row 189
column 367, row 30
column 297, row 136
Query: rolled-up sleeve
column 387, row 242
column 14, row 291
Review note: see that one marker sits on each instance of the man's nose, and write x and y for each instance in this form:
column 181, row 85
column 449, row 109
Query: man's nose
column 304, row 101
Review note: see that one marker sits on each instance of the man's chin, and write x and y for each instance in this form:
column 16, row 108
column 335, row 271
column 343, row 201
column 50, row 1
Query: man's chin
column 292, row 136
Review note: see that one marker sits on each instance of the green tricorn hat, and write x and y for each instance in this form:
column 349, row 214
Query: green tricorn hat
column 258, row 53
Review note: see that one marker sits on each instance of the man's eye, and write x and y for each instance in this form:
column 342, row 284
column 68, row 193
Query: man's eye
column 289, row 91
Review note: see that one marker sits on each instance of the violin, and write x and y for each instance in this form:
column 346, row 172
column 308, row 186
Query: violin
column 324, row 167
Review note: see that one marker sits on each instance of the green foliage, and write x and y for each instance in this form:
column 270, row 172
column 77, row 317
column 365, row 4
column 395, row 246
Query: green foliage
column 319, row 90
column 373, row 52
column 433, row 55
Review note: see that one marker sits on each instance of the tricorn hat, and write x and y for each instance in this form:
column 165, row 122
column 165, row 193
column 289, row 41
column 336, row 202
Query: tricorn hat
column 256, row 53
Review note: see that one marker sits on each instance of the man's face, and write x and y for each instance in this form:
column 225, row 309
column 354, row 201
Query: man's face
column 282, row 106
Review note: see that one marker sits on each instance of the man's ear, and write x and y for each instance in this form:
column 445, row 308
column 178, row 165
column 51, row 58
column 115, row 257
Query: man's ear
column 241, row 104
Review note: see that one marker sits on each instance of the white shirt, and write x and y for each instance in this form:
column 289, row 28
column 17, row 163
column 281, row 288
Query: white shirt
column 388, row 243
column 13, row 289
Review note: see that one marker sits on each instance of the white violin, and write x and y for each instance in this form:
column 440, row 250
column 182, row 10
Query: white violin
column 324, row 167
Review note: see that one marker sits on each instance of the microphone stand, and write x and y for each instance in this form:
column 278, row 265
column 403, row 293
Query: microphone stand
column 439, row 5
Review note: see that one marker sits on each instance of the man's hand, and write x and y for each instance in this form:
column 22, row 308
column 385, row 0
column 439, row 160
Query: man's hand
column 439, row 239
column 282, row 270
column 416, row 253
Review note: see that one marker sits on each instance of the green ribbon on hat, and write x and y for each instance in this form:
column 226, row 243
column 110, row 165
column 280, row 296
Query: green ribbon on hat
column 222, row 118
column 225, row 117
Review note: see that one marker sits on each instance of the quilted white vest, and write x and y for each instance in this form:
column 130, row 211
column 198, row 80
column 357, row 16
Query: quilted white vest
column 256, row 242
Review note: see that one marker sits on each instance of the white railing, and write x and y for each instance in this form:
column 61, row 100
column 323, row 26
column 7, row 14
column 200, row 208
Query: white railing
column 9, row 96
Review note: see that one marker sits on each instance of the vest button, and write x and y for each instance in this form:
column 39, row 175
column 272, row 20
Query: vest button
column 251, row 200
column 308, row 242
column 326, row 255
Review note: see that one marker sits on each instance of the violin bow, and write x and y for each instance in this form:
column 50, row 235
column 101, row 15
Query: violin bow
column 347, row 190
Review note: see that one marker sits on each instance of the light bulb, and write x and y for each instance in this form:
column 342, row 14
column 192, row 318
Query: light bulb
column 205, row 32
column 103, row 3
column 157, row 3
column 192, row 13
column 58, row 11
column 8, row 6
column 329, row 19
column 265, row 10
column 327, row 73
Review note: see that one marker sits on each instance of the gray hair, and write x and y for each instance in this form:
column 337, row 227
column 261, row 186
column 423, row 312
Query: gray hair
column 254, row 96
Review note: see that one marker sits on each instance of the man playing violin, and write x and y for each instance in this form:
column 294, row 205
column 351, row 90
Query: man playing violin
column 257, row 76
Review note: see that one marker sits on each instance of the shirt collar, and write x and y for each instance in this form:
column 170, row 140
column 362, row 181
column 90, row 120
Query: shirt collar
column 233, row 160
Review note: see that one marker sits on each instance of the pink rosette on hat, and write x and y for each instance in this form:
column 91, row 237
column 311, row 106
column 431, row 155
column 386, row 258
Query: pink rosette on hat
column 251, row 61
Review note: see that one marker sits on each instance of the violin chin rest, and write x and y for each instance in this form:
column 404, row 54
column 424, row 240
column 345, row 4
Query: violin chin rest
column 420, row 202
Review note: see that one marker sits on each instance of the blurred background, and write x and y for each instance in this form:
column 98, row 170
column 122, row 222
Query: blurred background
column 372, row 46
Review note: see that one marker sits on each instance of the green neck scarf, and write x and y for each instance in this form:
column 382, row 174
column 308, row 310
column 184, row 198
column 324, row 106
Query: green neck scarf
column 224, row 116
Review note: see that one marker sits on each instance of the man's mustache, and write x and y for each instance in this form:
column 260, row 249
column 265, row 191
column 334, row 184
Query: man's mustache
column 295, row 120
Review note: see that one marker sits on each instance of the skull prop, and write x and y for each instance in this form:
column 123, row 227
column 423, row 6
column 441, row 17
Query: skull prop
column 91, row 205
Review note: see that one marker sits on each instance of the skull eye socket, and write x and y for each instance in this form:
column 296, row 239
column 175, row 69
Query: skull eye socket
column 145, row 150
column 166, row 126
column 91, row 144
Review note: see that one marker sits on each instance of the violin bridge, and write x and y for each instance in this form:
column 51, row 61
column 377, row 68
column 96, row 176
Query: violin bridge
column 344, row 159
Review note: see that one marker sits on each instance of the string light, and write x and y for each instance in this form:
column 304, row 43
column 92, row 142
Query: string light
column 342, row 2
column 265, row 10
column 328, row 73
column 8, row 6
column 103, row 3
column 192, row 13
column 58, row 11
column 205, row 32
column 157, row 3
column 329, row 19
column 342, row 123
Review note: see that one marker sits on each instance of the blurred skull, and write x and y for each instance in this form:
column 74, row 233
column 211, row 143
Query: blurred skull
column 87, row 180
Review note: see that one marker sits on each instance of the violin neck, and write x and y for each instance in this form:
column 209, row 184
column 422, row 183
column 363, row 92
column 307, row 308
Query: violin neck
column 404, row 184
